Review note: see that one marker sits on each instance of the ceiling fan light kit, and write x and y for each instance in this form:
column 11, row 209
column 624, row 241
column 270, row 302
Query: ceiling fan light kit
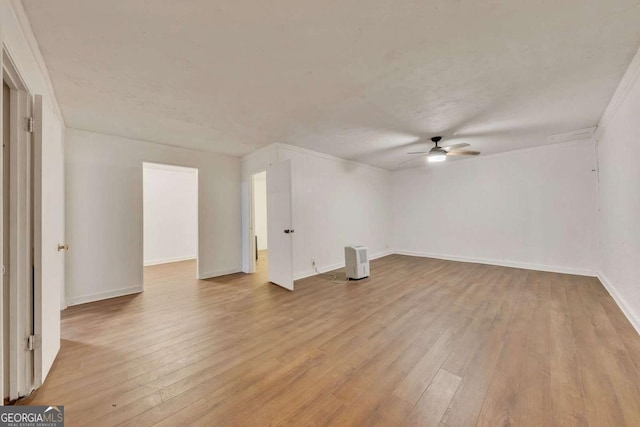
column 437, row 158
column 439, row 154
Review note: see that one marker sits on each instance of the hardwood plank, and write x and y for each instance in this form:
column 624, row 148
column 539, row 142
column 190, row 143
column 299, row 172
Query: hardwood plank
column 434, row 402
column 599, row 388
column 502, row 395
column 619, row 365
column 533, row 401
column 421, row 342
column 566, row 383
column 483, row 351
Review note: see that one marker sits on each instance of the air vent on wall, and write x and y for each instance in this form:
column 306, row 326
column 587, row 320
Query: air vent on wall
column 572, row 135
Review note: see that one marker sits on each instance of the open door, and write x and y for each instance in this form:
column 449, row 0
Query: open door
column 49, row 246
column 279, row 228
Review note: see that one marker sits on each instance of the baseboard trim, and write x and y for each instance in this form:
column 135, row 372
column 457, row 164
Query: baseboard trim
column 169, row 260
column 523, row 265
column 83, row 299
column 218, row 273
column 624, row 307
column 331, row 267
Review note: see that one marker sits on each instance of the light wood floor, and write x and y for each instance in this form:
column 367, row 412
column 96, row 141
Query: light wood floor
column 422, row 342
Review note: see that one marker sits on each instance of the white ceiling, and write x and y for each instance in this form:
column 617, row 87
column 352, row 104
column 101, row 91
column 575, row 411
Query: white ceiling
column 359, row 79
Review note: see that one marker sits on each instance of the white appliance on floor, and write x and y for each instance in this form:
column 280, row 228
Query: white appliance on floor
column 356, row 262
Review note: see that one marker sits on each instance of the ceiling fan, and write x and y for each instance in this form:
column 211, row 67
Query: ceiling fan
column 439, row 154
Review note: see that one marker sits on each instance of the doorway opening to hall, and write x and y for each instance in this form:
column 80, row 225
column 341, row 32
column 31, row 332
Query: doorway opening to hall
column 170, row 211
column 260, row 252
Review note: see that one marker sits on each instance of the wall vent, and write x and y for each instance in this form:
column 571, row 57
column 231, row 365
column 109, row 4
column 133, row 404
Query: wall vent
column 572, row 135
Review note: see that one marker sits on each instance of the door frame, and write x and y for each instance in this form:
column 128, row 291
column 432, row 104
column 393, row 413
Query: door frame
column 152, row 164
column 21, row 324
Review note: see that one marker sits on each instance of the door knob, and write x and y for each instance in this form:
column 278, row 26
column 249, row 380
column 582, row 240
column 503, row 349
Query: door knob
column 61, row 247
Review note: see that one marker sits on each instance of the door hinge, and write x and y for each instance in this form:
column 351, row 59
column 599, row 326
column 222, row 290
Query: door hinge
column 33, row 342
column 30, row 124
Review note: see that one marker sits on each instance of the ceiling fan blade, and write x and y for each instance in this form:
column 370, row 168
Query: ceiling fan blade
column 455, row 146
column 463, row 153
column 413, row 158
column 419, row 152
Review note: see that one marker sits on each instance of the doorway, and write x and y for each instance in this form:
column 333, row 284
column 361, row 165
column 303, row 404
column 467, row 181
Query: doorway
column 170, row 211
column 259, row 226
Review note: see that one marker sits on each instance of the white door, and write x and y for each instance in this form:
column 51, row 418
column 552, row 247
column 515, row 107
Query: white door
column 48, row 203
column 279, row 227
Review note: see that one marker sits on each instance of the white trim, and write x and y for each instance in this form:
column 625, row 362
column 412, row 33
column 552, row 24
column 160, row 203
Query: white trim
column 218, row 273
column 20, row 265
column 626, row 309
column 9, row 73
column 331, row 267
column 37, row 197
column 513, row 264
column 83, row 299
column 169, row 260
column 626, row 85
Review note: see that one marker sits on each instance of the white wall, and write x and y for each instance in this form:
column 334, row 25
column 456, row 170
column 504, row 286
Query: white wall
column 619, row 195
column 105, row 212
column 531, row 208
column 260, row 209
column 335, row 203
column 170, row 213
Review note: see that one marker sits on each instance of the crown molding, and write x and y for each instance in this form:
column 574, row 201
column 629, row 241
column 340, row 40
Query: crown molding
column 626, row 85
column 27, row 32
